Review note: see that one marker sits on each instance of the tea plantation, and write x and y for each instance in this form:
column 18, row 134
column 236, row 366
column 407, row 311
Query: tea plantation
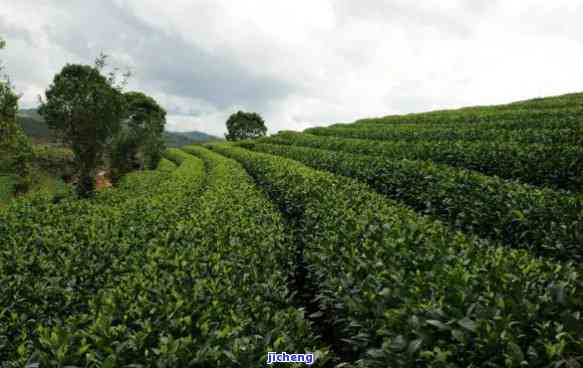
column 445, row 239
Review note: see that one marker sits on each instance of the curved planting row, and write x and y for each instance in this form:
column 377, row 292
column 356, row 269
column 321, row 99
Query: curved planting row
column 412, row 133
column 244, row 266
column 542, row 220
column 166, row 165
column 404, row 291
column 559, row 167
column 554, row 102
column 521, row 116
column 56, row 259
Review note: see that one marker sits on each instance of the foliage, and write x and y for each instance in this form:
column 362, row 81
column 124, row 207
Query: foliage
column 85, row 109
column 56, row 161
column 405, row 291
column 415, row 134
column 146, row 120
column 545, row 221
column 166, row 165
column 7, row 187
column 156, row 272
column 245, row 125
column 122, row 154
column 139, row 143
column 15, row 148
column 403, row 241
column 556, row 166
column 521, row 113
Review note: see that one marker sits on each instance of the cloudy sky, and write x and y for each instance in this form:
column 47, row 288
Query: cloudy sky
column 303, row 63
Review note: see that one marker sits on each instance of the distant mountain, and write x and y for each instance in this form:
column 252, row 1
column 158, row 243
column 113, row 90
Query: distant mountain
column 35, row 127
column 176, row 140
column 199, row 136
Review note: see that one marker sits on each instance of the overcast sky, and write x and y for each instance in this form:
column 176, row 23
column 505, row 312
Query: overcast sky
column 303, row 63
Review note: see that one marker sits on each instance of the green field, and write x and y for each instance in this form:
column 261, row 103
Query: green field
column 446, row 239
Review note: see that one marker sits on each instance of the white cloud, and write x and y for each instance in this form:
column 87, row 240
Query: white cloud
column 305, row 63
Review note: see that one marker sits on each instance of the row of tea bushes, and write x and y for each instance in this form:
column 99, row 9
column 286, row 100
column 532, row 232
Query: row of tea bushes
column 245, row 260
column 405, row 291
column 542, row 220
column 559, row 167
column 57, row 259
column 193, row 275
column 415, row 134
column 166, row 165
column 516, row 117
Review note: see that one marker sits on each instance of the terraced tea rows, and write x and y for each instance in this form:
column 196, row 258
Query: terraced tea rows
column 158, row 272
column 414, row 133
column 542, row 220
column 445, row 239
column 402, row 290
column 556, row 166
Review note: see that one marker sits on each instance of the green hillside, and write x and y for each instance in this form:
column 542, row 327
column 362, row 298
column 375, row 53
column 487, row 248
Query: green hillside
column 451, row 238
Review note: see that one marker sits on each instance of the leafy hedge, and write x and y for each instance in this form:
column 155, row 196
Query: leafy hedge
column 166, row 165
column 61, row 265
column 413, row 133
column 168, row 269
column 519, row 116
column 7, row 187
column 58, row 162
column 546, row 222
column 404, row 291
column 243, row 240
column 559, row 167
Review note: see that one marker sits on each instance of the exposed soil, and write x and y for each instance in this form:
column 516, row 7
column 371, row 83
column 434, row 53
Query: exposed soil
column 102, row 181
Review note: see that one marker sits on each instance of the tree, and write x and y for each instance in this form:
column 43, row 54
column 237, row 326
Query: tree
column 15, row 148
column 245, row 125
column 139, row 143
column 146, row 119
column 84, row 109
column 123, row 154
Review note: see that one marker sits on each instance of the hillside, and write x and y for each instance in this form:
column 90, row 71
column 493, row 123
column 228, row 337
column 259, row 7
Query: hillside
column 199, row 136
column 450, row 238
column 35, row 127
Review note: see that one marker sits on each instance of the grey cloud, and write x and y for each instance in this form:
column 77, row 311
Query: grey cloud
column 11, row 31
column 368, row 58
column 408, row 15
column 163, row 61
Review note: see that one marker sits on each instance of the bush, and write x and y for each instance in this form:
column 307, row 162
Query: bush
column 56, row 161
column 555, row 166
column 245, row 125
column 401, row 290
column 542, row 220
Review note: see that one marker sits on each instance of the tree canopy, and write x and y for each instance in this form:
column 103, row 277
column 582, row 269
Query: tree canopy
column 85, row 109
column 245, row 125
column 140, row 141
column 15, row 147
column 147, row 119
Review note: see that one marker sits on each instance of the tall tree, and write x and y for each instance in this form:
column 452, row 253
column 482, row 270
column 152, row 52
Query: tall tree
column 139, row 143
column 85, row 109
column 146, row 118
column 15, row 147
column 245, row 125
